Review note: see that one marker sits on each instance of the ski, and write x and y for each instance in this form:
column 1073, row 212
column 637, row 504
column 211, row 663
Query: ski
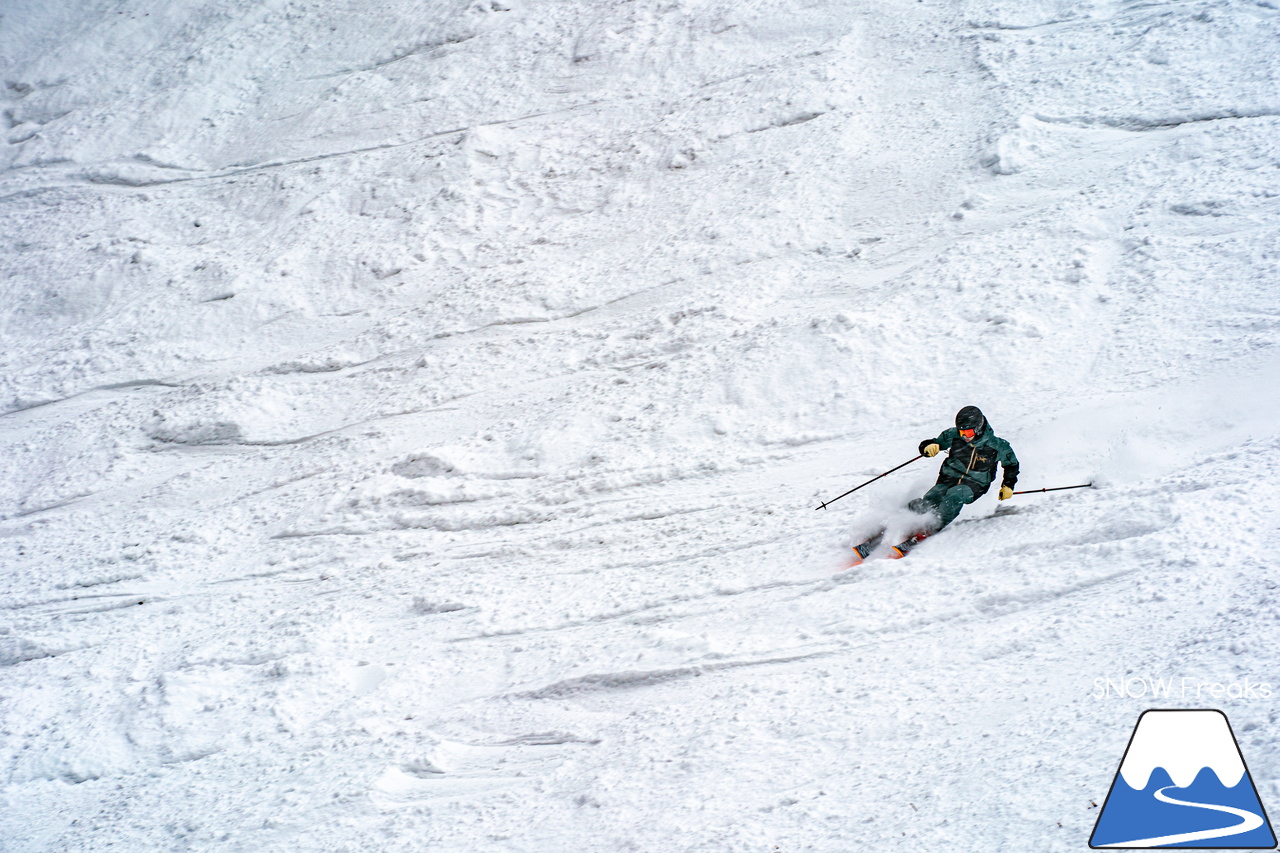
column 863, row 550
column 897, row 552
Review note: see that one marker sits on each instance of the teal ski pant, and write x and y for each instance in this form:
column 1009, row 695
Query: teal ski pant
column 943, row 501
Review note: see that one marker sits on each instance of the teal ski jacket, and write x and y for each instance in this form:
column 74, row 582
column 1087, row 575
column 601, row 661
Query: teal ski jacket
column 973, row 463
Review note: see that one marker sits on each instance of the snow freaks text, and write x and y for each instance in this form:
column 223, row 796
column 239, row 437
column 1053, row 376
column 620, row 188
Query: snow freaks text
column 1138, row 687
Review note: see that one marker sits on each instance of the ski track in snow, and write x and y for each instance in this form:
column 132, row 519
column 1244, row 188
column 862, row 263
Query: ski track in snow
column 412, row 419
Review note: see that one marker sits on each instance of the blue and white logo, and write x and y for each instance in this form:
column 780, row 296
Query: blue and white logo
column 1183, row 783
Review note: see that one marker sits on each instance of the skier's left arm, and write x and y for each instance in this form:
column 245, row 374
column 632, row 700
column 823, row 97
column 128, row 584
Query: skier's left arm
column 1009, row 462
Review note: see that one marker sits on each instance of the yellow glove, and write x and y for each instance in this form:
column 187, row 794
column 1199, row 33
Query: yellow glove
column 1006, row 492
column 931, row 450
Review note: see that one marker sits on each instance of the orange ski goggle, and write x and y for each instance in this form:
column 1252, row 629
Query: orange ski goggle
column 968, row 434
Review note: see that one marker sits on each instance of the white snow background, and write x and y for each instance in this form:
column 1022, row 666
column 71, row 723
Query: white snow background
column 414, row 415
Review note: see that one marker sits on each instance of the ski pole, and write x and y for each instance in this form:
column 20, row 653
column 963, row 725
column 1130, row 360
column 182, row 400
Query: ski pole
column 869, row 482
column 1054, row 489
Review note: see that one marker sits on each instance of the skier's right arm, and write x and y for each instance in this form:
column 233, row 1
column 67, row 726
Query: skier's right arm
column 931, row 446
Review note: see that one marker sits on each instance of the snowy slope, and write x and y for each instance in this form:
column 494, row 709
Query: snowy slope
column 412, row 417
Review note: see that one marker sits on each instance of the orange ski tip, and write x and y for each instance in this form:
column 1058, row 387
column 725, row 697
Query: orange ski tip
column 896, row 553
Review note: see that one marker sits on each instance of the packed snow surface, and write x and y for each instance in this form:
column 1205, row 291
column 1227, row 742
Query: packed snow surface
column 414, row 414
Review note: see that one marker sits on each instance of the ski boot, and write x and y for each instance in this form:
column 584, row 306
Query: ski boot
column 862, row 551
column 897, row 552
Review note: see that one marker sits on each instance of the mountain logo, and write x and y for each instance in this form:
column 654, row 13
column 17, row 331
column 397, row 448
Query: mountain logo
column 1183, row 783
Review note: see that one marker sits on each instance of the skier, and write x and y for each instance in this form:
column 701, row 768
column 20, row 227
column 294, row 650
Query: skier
column 973, row 449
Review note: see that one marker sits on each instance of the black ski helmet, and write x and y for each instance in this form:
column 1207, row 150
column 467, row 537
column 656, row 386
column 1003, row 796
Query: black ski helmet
column 970, row 417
